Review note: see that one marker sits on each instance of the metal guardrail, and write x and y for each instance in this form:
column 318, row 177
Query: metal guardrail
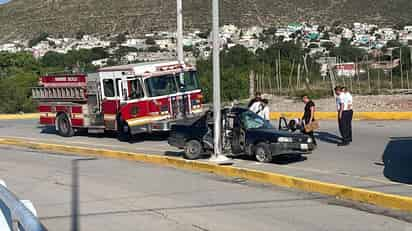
column 20, row 214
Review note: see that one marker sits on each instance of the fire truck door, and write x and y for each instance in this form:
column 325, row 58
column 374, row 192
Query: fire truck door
column 111, row 95
column 136, row 107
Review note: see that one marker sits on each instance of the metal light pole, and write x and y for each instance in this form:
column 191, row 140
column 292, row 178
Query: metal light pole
column 217, row 157
column 179, row 32
column 180, row 56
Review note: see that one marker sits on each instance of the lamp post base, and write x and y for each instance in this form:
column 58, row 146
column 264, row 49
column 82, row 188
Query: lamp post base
column 221, row 160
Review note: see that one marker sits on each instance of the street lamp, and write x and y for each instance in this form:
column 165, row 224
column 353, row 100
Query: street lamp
column 179, row 32
column 217, row 156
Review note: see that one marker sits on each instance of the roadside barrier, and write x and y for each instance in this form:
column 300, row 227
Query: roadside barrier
column 19, row 116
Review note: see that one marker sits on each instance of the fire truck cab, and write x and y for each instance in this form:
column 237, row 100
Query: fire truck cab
column 128, row 99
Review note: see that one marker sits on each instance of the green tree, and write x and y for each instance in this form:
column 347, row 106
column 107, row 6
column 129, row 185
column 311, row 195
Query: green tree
column 15, row 93
column 53, row 59
column 347, row 52
column 153, row 49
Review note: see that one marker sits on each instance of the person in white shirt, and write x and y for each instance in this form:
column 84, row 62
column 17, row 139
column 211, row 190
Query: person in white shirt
column 345, row 115
column 348, row 112
column 261, row 108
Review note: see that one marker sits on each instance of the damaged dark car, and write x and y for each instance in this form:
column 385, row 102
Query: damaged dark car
column 243, row 133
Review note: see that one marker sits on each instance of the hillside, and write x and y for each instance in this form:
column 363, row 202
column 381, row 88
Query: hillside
column 26, row 18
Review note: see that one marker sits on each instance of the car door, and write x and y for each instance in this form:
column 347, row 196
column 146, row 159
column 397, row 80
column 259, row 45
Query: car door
column 238, row 136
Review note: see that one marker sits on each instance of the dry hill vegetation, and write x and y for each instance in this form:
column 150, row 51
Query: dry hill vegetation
column 26, row 18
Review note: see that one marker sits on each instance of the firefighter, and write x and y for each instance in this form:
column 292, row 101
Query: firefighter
column 347, row 113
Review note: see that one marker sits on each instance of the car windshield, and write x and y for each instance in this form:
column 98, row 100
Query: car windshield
column 161, row 85
column 251, row 120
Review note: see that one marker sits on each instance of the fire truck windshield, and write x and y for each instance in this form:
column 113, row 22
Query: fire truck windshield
column 190, row 82
column 161, row 85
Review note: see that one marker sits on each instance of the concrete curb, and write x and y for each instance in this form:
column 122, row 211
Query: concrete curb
column 389, row 201
column 19, row 116
column 277, row 115
column 356, row 116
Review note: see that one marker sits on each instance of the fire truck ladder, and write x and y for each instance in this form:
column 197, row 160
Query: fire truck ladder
column 59, row 93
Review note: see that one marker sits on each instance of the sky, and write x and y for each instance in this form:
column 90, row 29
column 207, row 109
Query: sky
column 3, row 1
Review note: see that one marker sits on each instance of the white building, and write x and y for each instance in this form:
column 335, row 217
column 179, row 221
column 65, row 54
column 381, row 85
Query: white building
column 407, row 28
column 388, row 34
column 100, row 62
column 347, row 33
column 138, row 43
column 10, row 47
column 131, row 57
column 164, row 43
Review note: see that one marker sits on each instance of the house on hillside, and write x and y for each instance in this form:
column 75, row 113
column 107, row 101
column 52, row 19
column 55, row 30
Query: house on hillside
column 346, row 69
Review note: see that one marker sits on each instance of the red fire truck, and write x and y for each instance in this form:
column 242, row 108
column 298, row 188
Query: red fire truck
column 129, row 99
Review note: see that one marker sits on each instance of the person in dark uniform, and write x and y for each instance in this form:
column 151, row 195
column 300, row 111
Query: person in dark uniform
column 258, row 98
column 309, row 115
column 347, row 116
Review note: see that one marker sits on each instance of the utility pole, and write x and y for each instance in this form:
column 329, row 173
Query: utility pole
column 369, row 76
column 180, row 55
column 401, row 63
column 179, row 32
column 217, row 157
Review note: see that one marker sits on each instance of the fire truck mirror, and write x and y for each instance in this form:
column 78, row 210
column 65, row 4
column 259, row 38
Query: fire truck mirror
column 125, row 94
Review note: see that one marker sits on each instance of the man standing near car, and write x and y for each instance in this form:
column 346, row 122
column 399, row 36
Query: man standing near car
column 309, row 115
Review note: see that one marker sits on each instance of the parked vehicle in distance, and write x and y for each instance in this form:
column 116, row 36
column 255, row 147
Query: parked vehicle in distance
column 243, row 132
column 128, row 99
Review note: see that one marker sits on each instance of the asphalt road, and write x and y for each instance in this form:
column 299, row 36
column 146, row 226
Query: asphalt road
column 359, row 165
column 122, row 195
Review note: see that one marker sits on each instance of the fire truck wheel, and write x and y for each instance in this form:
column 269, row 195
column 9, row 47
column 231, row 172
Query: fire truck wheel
column 123, row 133
column 64, row 127
column 193, row 150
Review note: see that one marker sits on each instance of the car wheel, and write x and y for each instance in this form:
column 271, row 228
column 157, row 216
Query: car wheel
column 64, row 127
column 262, row 153
column 193, row 150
